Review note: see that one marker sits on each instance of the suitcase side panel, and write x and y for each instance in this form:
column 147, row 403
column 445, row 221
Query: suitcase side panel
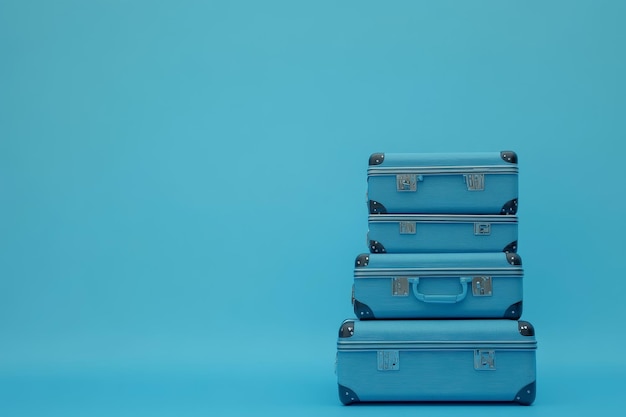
column 434, row 360
column 392, row 297
column 432, row 237
column 436, row 376
column 443, row 193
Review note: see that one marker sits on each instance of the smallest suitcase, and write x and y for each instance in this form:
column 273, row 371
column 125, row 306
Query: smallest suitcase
column 438, row 233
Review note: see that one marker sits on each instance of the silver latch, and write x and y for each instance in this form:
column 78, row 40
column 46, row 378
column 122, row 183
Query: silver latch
column 407, row 228
column 482, row 229
column 388, row 360
column 400, row 287
column 475, row 182
column 484, row 360
column 406, row 182
column 481, row 287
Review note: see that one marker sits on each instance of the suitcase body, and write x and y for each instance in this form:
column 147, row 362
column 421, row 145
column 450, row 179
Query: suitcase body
column 445, row 183
column 436, row 360
column 439, row 233
column 449, row 286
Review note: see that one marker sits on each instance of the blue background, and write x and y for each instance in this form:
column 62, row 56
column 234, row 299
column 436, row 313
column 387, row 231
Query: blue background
column 182, row 191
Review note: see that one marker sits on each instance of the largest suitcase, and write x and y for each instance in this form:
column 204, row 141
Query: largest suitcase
column 436, row 360
column 450, row 183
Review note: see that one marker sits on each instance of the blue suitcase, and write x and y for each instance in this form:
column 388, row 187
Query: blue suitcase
column 436, row 360
column 440, row 233
column 438, row 285
column 444, row 183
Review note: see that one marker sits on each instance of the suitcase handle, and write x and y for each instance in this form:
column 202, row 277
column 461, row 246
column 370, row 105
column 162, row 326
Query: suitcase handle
column 442, row 298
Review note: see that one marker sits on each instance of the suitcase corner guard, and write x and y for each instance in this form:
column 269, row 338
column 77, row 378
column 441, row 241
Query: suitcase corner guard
column 362, row 311
column 511, row 247
column 514, row 312
column 513, row 258
column 526, row 396
column 509, row 156
column 376, row 158
column 510, row 207
column 347, row 396
column 376, row 247
column 525, row 328
column 362, row 260
column 346, row 329
column 376, row 207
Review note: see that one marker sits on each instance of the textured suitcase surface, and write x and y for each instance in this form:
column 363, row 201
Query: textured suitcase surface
column 437, row 233
column 439, row 285
column 452, row 183
column 436, row 360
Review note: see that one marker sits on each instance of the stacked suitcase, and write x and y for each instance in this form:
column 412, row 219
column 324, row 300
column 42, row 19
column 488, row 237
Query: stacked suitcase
column 438, row 298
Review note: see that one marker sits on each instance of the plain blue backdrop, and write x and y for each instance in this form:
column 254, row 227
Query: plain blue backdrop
column 182, row 191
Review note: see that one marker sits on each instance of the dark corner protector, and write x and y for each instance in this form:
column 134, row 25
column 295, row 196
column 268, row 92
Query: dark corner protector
column 526, row 396
column 346, row 329
column 513, row 258
column 511, row 247
column 510, row 207
column 509, row 156
column 347, row 396
column 376, row 207
column 376, row 247
column 525, row 328
column 362, row 311
column 362, row 260
column 514, row 312
column 377, row 158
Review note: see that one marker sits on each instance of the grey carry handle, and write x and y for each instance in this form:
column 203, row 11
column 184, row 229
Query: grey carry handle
column 442, row 298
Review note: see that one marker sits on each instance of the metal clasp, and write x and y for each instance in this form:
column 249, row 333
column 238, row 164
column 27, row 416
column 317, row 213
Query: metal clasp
column 481, row 287
column 407, row 228
column 482, row 229
column 388, row 360
column 475, row 182
column 400, row 287
column 406, row 182
column 484, row 360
